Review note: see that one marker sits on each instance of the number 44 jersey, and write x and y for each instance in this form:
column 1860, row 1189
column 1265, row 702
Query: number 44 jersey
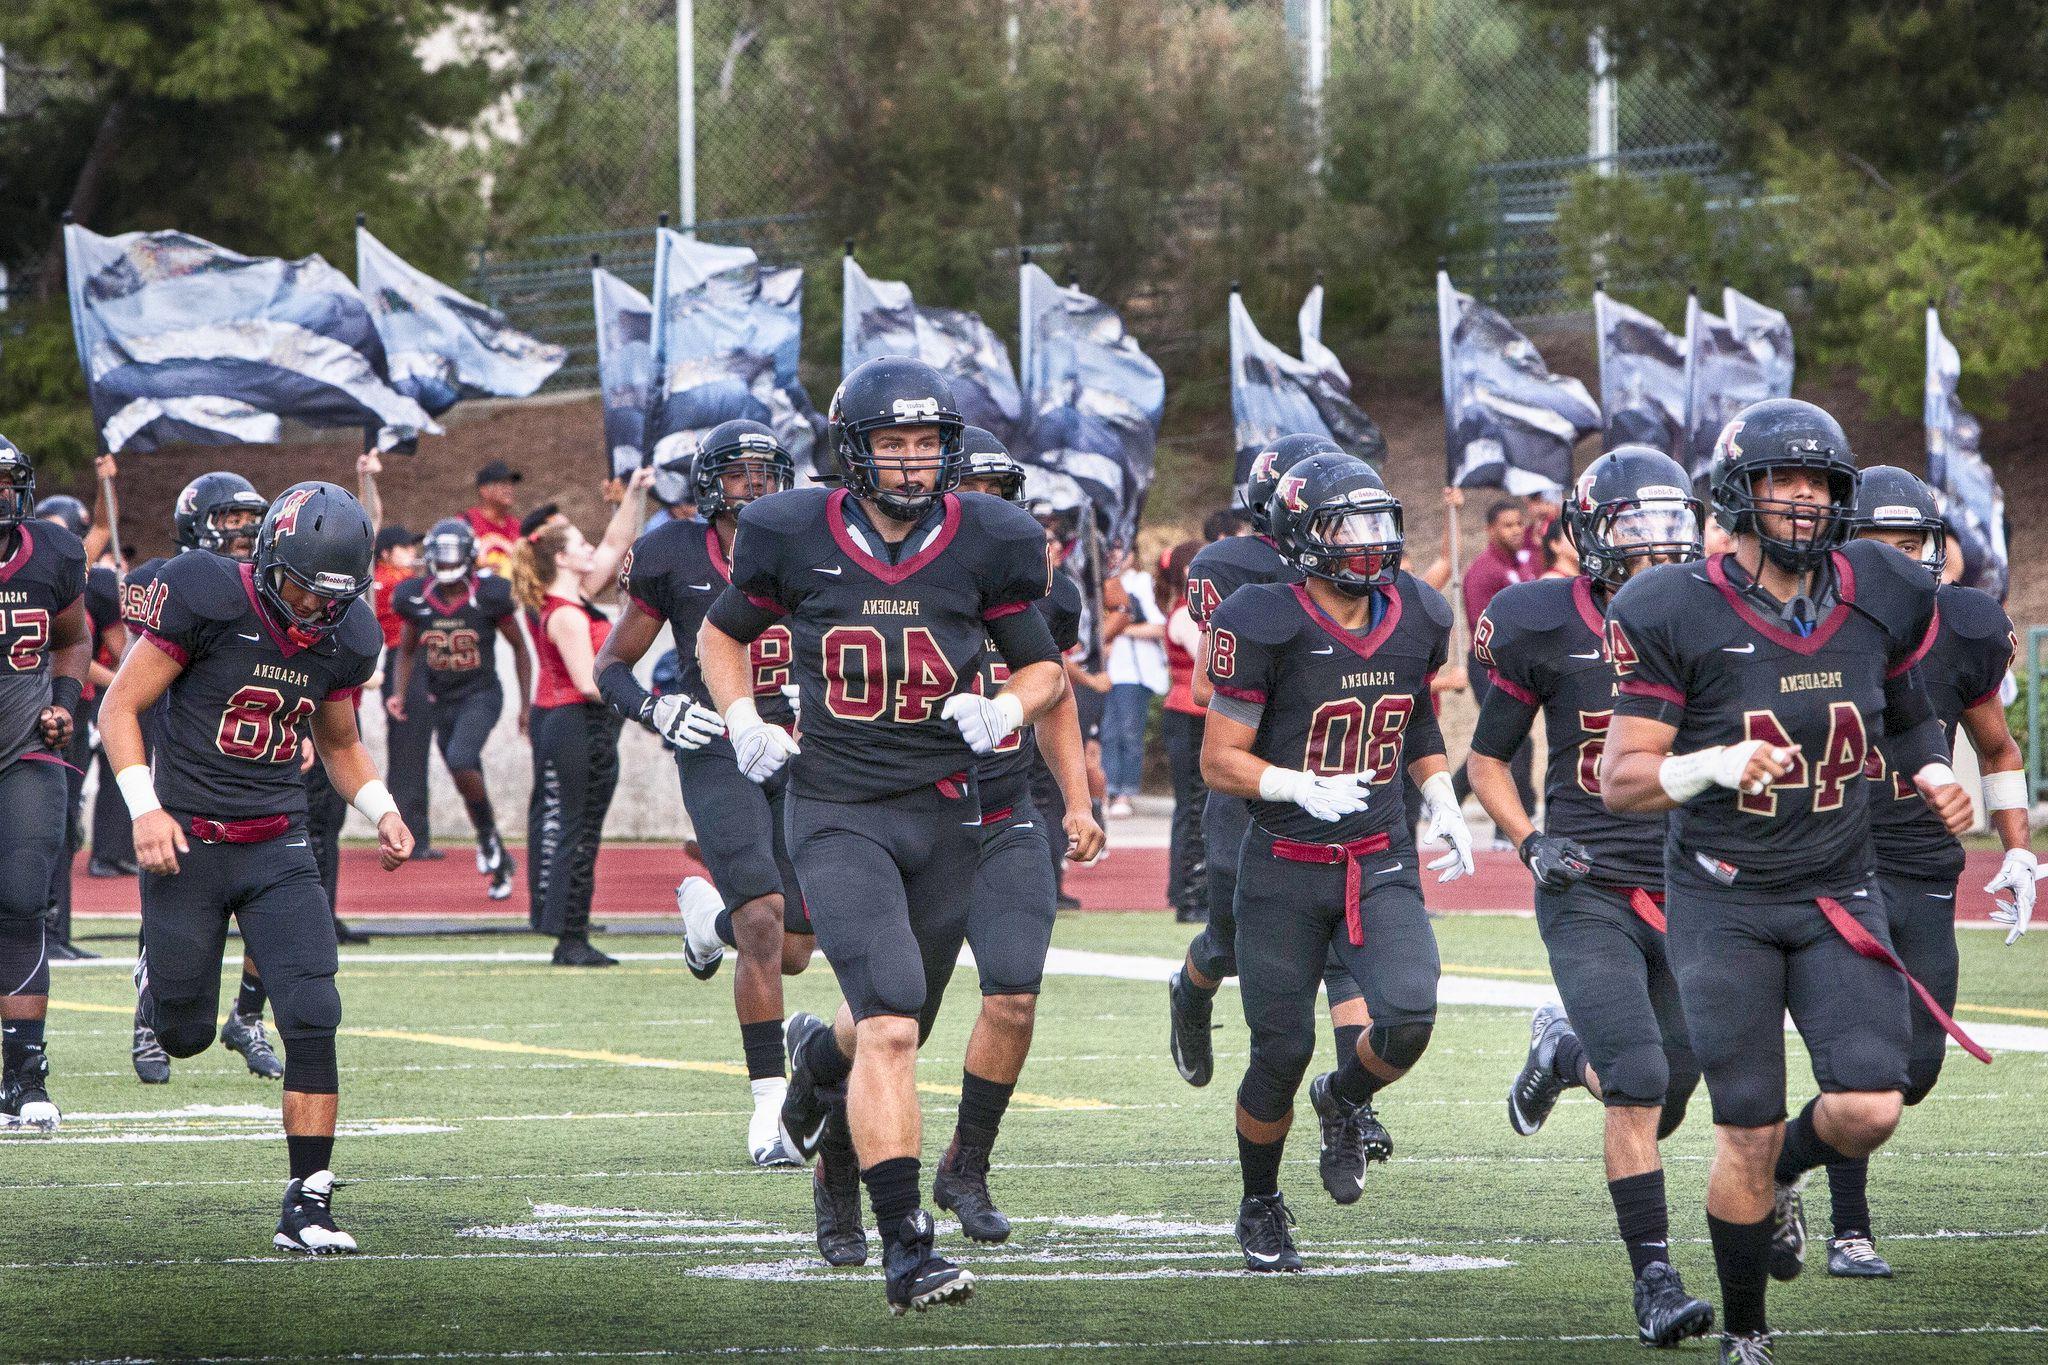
column 234, row 722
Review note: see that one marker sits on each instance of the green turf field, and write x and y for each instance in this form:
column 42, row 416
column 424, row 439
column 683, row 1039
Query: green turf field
column 541, row 1161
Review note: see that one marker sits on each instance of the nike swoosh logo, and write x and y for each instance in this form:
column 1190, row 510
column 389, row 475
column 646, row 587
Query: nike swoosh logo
column 1263, row 1259
column 1749, row 648
column 1026, row 825
column 1941, row 895
column 700, row 587
column 835, row 570
column 1594, row 655
column 1385, row 870
column 1859, row 893
column 296, row 843
column 256, row 638
column 1326, row 649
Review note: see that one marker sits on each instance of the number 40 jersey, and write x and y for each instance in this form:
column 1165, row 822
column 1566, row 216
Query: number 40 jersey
column 230, row 734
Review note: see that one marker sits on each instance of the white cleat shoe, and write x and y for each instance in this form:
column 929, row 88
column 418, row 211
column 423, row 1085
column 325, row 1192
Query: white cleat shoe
column 699, row 903
column 307, row 1222
column 764, row 1129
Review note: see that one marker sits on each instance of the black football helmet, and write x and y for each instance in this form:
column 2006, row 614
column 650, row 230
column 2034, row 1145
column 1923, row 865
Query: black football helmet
column 1335, row 520
column 985, row 457
column 317, row 538
column 1269, row 464
column 728, row 446
column 1632, row 504
column 66, row 511
column 1784, row 433
column 896, row 391
column 207, row 499
column 1058, row 503
column 1890, row 499
column 17, row 485
column 450, row 550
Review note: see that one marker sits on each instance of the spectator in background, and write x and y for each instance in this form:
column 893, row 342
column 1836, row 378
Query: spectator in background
column 1498, row 565
column 408, row 743
column 1560, row 556
column 495, row 518
column 1186, row 890
column 1539, row 514
column 1224, row 523
column 1137, row 674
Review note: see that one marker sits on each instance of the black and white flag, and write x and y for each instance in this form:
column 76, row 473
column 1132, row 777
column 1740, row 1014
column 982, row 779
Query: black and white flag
column 625, row 370
column 1642, row 377
column 1508, row 421
column 1973, row 504
column 881, row 318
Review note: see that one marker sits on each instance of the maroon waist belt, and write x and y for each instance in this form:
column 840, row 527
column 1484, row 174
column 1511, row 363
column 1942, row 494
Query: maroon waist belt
column 255, row 831
column 1868, row 945
column 1294, row 851
column 1648, row 905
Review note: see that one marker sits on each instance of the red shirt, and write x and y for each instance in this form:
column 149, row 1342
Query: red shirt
column 388, row 577
column 1180, row 672
column 495, row 537
column 554, row 687
column 1489, row 573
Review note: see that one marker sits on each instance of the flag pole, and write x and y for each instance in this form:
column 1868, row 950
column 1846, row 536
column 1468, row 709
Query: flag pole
column 1692, row 312
column 1453, row 548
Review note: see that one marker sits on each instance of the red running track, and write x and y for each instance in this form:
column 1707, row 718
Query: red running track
column 640, row 879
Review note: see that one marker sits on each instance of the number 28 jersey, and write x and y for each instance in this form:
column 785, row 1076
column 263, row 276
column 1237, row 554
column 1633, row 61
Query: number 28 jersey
column 458, row 629
column 1693, row 651
column 229, row 739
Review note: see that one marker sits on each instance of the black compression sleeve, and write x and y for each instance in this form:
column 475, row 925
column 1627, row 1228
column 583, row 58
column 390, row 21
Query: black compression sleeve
column 1023, row 638
column 740, row 616
column 1504, row 722
column 1914, row 738
column 1424, row 737
column 621, row 690
column 65, row 691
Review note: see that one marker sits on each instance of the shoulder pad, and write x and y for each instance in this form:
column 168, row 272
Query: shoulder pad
column 1266, row 612
column 1972, row 613
column 359, row 632
column 1001, row 520
column 1887, row 581
column 656, row 551
column 208, row 586
column 1659, row 590
column 494, row 591
column 787, row 512
column 1065, row 594
column 143, row 574
column 58, row 540
column 1430, row 600
column 1536, row 607
column 409, row 590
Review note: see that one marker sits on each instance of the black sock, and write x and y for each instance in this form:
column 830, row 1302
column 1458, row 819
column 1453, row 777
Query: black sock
column 1849, row 1191
column 1354, row 1084
column 1260, row 1163
column 1804, row 1148
column 826, row 1061
column 486, row 821
column 309, row 1153
column 1569, row 1065
column 1191, row 992
column 762, row 1045
column 1645, row 1222
column 1742, row 1257
column 249, row 1000
column 1347, row 1036
column 722, row 926
column 892, row 1189
column 982, row 1104
column 20, row 1039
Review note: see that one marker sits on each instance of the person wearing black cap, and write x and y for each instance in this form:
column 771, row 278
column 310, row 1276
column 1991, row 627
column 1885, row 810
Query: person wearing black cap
column 408, row 743
column 494, row 519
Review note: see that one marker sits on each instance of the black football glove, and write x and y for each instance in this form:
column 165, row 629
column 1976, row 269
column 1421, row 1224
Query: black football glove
column 1557, row 863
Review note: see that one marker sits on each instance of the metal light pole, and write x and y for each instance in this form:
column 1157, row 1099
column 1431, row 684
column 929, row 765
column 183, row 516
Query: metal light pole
column 686, row 112
column 1602, row 108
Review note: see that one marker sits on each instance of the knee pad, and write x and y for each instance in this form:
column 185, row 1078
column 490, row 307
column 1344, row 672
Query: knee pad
column 24, row 965
column 306, row 1008
column 1684, row 1079
column 186, row 1027
column 1921, row 1074
column 1863, row 1062
column 1640, row 1075
column 309, row 1064
column 1400, row 1045
column 1273, row 1077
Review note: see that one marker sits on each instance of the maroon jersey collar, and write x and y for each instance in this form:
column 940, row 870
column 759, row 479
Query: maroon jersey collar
column 21, row 554
column 281, row 640
column 1845, row 587
column 892, row 574
column 1589, row 610
column 716, row 551
column 434, row 599
column 1361, row 645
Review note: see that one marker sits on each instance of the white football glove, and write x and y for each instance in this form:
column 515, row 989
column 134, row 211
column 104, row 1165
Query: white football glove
column 1442, row 819
column 759, row 748
column 1326, row 798
column 984, row 721
column 683, row 723
column 2017, row 875
column 794, row 695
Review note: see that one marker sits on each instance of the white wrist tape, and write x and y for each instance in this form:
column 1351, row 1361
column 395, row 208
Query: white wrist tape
column 1684, row 776
column 2006, row 791
column 137, row 790
column 1936, row 775
column 1439, row 790
column 374, row 801
column 741, row 715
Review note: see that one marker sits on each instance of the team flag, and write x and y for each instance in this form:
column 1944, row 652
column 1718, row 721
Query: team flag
column 625, row 368
column 1272, row 394
column 1330, row 387
column 182, row 340
column 1508, row 421
column 1729, row 365
column 1768, row 334
column 1642, row 376
column 881, row 318
column 1973, row 504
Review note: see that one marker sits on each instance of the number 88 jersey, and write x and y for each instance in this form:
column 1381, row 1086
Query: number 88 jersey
column 1331, row 702
column 234, row 721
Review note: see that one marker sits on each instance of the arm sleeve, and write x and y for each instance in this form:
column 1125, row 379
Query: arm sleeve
column 496, row 596
column 1914, row 737
column 1017, row 577
column 70, row 579
column 643, row 580
column 1064, row 622
column 102, row 599
column 621, row 690
column 757, row 596
column 742, row 616
column 1023, row 638
column 1650, row 677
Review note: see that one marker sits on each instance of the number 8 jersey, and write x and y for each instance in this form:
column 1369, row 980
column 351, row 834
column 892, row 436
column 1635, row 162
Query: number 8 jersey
column 235, row 719
column 1693, row 650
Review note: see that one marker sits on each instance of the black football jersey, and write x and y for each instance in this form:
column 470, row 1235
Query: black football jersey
column 1330, row 701
column 138, row 591
column 1012, row 760
column 1693, row 650
column 878, row 645
column 1223, row 566
column 674, row 573
column 1542, row 643
column 39, row 581
column 102, row 601
column 458, row 626
column 1973, row 646
column 227, row 744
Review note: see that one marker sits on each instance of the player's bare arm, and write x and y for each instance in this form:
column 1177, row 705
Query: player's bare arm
column 408, row 657
column 144, row 676
column 354, row 774
column 522, row 666
column 1639, row 775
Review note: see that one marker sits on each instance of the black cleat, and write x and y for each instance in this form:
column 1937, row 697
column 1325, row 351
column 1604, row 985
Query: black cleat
column 835, row 1198
column 1788, row 1232
column 1263, row 1224
column 574, row 950
column 805, row 1107
column 917, row 1276
column 961, row 1188
column 243, row 1033
column 1373, row 1135
column 307, row 1223
column 110, row 867
column 152, row 1063
column 1342, row 1161
column 1751, row 1348
column 1665, row 1313
column 1855, row 1258
column 1537, row 1086
column 344, row 934
column 25, row 1098
column 1188, row 1011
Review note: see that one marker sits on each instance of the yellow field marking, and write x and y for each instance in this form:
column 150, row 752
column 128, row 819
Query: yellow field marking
column 1497, row 971
column 91, row 1009
column 2013, row 1010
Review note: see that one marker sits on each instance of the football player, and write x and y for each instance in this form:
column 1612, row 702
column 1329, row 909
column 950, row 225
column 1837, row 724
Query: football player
column 451, row 615
column 1009, row 924
column 1352, row 1136
column 48, row 640
column 217, row 514
column 1599, row 877
column 891, row 587
column 751, row 904
column 246, row 659
column 1321, row 696
column 1918, row 860
column 1752, row 686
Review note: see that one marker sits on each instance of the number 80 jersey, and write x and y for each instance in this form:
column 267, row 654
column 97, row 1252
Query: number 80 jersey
column 234, row 721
